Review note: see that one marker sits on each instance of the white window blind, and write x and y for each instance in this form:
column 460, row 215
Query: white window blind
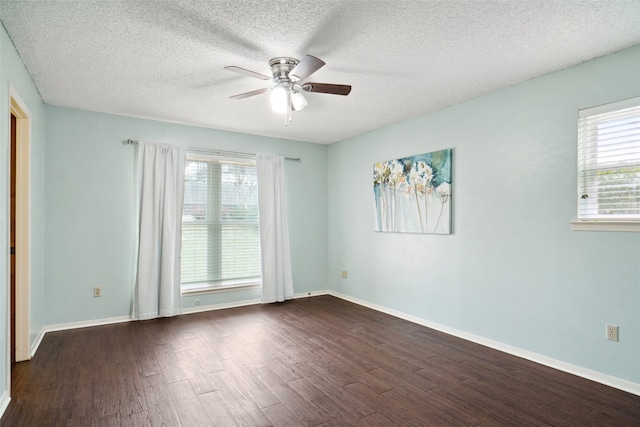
column 220, row 234
column 609, row 162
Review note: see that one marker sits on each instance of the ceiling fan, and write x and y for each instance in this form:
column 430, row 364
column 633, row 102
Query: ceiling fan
column 288, row 75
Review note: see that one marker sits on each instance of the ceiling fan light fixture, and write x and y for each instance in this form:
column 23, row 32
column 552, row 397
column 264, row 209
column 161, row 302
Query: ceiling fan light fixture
column 298, row 102
column 279, row 99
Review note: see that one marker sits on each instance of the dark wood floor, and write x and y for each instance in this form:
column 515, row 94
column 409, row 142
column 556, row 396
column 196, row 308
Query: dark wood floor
column 318, row 361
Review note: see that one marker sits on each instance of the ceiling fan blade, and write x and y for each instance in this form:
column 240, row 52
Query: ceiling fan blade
column 247, row 72
column 327, row 88
column 306, row 67
column 252, row 93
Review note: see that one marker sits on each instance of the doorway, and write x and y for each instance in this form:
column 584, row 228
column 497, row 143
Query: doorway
column 12, row 238
column 19, row 229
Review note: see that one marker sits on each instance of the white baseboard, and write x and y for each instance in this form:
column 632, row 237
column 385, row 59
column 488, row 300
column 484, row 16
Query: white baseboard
column 121, row 319
column 85, row 324
column 4, row 402
column 36, row 342
column 579, row 371
column 200, row 309
column 310, row 294
column 222, row 306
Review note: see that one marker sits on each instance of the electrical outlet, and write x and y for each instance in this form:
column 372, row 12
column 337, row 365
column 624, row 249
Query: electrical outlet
column 344, row 274
column 97, row 291
column 612, row 332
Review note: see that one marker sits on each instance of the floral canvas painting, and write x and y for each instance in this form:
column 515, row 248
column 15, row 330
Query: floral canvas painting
column 413, row 194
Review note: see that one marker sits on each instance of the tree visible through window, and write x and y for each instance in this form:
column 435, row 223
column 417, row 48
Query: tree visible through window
column 609, row 162
column 220, row 230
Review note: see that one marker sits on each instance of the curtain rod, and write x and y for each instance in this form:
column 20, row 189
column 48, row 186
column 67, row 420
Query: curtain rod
column 220, row 152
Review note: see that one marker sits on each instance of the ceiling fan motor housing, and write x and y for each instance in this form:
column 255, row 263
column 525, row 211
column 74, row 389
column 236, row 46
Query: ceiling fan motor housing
column 280, row 68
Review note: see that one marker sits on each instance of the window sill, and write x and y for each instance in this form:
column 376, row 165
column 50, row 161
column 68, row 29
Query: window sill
column 217, row 289
column 605, row 225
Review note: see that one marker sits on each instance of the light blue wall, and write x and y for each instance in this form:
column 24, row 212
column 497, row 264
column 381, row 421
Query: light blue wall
column 13, row 72
column 513, row 271
column 90, row 209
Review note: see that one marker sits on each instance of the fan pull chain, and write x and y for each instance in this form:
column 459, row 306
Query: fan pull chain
column 287, row 111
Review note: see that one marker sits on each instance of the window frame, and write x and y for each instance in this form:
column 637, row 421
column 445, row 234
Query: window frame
column 603, row 223
column 222, row 285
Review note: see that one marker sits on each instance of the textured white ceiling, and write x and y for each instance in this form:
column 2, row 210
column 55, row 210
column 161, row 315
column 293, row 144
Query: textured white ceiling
column 164, row 59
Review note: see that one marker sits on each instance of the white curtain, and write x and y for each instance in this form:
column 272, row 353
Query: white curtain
column 277, row 282
column 160, row 174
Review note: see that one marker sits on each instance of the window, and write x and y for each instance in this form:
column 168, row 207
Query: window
column 609, row 162
column 220, row 230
